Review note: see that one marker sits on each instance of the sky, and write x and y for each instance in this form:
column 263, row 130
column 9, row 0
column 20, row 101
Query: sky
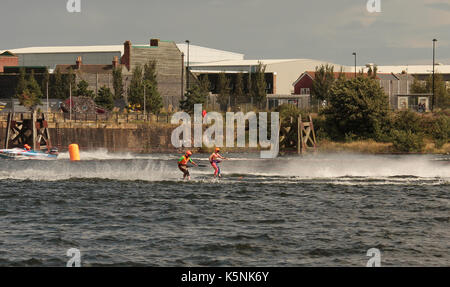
column 330, row 30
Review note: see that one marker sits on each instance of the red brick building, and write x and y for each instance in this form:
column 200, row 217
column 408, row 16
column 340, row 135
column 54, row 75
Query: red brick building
column 303, row 85
column 8, row 59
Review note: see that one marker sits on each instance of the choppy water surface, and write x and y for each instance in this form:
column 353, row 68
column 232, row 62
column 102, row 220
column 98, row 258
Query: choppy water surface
column 133, row 210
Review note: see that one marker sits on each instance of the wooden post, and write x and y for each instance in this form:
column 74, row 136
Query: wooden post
column 8, row 129
column 299, row 134
column 34, row 131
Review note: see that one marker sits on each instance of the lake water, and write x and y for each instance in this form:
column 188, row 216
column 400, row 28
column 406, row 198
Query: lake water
column 134, row 210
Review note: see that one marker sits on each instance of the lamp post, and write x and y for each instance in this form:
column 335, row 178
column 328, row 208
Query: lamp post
column 432, row 100
column 354, row 54
column 188, row 68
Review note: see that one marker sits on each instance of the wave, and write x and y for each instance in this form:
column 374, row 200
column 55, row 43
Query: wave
column 339, row 169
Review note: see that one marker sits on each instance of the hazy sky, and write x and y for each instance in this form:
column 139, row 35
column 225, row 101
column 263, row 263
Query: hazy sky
column 327, row 30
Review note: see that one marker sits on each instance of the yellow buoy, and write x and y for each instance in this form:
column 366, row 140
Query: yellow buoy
column 74, row 152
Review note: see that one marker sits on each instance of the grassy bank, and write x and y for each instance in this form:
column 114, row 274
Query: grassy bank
column 373, row 147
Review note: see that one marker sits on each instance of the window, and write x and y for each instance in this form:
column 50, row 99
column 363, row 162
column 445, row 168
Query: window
column 304, row 91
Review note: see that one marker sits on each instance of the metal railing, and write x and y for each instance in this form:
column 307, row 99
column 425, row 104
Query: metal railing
column 92, row 117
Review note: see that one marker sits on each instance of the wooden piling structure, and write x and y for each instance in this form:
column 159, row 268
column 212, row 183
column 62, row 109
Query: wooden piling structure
column 33, row 132
column 306, row 138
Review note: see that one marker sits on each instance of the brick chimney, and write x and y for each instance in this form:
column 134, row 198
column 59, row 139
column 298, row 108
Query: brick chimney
column 126, row 58
column 79, row 62
column 115, row 62
column 154, row 42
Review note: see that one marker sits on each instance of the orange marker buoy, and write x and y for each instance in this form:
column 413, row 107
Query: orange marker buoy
column 74, row 152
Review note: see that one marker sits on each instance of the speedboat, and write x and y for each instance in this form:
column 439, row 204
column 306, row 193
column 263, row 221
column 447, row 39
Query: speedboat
column 20, row 153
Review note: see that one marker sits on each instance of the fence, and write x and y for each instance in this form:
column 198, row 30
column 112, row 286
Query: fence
column 93, row 118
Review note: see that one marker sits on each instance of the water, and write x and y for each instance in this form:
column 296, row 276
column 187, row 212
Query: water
column 133, row 210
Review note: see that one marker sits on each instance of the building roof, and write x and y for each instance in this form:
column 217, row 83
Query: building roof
column 243, row 63
column 7, row 54
column 412, row 69
column 197, row 54
column 69, row 49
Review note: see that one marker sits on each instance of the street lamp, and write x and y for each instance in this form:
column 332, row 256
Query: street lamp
column 434, row 48
column 354, row 54
column 188, row 68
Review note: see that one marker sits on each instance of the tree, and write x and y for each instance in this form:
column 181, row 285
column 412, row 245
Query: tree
column 238, row 93
column 372, row 73
column 29, row 99
column 83, row 90
column 442, row 96
column 223, row 91
column 58, row 87
column 153, row 100
column 33, row 86
column 105, row 98
column 249, row 88
column 259, row 87
column 118, row 83
column 69, row 83
column 357, row 108
column 195, row 95
column 136, row 89
column 323, row 81
column 150, row 72
column 22, row 83
column 45, row 82
column 419, row 87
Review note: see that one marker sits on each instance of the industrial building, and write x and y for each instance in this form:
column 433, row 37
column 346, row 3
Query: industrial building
column 8, row 59
column 280, row 73
column 103, row 54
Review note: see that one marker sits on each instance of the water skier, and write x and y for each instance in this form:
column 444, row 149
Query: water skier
column 182, row 164
column 215, row 159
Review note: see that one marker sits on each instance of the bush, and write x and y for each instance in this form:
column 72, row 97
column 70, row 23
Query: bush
column 407, row 141
column 358, row 108
column 440, row 131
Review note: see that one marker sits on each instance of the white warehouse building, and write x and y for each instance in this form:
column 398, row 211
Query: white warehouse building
column 104, row 55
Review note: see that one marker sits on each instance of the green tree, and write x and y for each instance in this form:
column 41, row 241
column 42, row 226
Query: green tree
column 29, row 99
column 118, row 83
column 357, row 108
column 83, row 90
column 195, row 95
column 69, row 83
column 22, row 83
column 136, row 89
column 238, row 93
column 249, row 96
column 372, row 72
column 223, row 91
column 45, row 81
column 323, row 81
column 442, row 96
column 419, row 87
column 259, row 87
column 153, row 99
column 58, row 87
column 105, row 98
column 150, row 72
column 33, row 86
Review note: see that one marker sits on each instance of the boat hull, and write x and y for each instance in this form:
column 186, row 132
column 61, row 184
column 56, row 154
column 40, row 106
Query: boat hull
column 24, row 154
